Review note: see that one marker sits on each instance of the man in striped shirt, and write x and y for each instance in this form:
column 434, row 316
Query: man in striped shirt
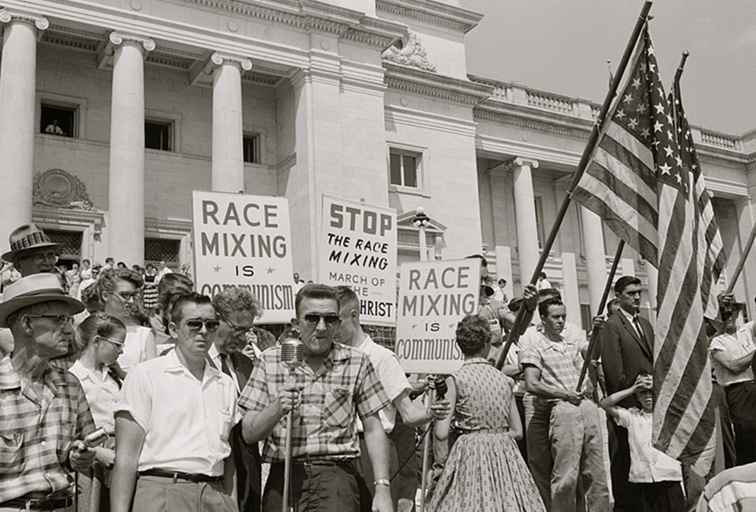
column 44, row 413
column 552, row 366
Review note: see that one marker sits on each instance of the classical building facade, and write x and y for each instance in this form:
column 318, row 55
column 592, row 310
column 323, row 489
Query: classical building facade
column 112, row 112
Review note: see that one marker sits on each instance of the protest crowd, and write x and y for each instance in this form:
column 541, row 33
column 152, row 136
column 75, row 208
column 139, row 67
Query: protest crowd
column 126, row 388
column 189, row 397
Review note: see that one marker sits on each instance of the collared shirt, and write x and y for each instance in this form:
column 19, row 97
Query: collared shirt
column 102, row 394
column 215, row 357
column 324, row 426
column 731, row 490
column 647, row 464
column 632, row 319
column 560, row 362
column 391, row 375
column 733, row 346
column 38, row 423
column 186, row 421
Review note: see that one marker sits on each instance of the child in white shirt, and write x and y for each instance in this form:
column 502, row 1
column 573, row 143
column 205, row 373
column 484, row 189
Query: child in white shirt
column 655, row 477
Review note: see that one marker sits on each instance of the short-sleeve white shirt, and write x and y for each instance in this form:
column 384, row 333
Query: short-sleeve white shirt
column 186, row 422
column 647, row 464
column 734, row 346
column 135, row 346
column 392, row 377
column 102, row 394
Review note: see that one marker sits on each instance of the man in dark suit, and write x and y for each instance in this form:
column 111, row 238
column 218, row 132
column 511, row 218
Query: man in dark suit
column 236, row 309
column 626, row 350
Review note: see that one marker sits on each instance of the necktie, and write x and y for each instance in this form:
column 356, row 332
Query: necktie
column 641, row 334
column 224, row 365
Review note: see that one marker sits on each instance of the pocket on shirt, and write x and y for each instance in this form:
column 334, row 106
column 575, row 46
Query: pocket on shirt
column 11, row 454
column 338, row 410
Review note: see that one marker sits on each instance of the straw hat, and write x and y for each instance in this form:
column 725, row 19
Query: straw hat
column 25, row 238
column 35, row 289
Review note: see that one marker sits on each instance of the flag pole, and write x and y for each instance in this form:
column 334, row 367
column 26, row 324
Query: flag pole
column 594, row 332
column 680, row 67
column 584, row 161
column 741, row 263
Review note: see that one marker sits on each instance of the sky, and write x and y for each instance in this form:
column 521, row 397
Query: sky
column 562, row 46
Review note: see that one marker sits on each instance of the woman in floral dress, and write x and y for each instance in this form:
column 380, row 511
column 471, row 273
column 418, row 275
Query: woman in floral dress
column 484, row 471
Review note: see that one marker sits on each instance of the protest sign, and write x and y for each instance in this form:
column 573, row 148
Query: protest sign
column 433, row 297
column 242, row 240
column 358, row 249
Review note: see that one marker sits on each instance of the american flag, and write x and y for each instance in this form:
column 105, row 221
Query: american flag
column 643, row 183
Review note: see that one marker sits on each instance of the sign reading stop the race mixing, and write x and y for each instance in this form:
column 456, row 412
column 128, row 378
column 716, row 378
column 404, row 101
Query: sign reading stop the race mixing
column 358, row 249
column 433, row 297
column 245, row 241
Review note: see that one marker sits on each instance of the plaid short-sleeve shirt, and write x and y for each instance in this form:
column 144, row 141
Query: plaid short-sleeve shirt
column 325, row 424
column 37, row 425
column 559, row 362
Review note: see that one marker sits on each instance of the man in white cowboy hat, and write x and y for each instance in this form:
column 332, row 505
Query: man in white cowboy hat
column 44, row 414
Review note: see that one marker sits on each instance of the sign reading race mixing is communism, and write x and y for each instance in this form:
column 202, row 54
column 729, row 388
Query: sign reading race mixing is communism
column 358, row 249
column 245, row 241
column 433, row 297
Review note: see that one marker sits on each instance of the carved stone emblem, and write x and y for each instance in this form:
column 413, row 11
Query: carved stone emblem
column 59, row 189
column 413, row 54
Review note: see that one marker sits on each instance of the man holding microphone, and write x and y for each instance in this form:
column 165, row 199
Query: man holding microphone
column 44, row 414
column 334, row 385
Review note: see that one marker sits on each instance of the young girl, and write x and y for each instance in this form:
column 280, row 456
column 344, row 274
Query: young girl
column 484, row 471
column 102, row 337
column 655, row 478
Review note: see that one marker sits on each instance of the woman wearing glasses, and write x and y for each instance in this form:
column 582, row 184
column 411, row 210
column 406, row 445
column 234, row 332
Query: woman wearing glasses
column 102, row 337
column 118, row 292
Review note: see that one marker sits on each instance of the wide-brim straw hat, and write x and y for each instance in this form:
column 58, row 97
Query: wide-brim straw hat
column 35, row 289
column 26, row 238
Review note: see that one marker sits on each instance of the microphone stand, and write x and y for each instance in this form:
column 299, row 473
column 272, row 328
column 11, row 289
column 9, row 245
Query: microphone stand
column 287, row 462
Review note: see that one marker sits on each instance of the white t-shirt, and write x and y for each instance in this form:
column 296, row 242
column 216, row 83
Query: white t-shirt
column 186, row 421
column 102, row 394
column 392, row 377
column 734, row 346
column 647, row 464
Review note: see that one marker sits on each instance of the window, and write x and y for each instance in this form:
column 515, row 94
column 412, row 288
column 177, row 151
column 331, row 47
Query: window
column 162, row 249
column 69, row 243
column 539, row 220
column 158, row 135
column 58, row 120
column 404, row 167
column 251, row 148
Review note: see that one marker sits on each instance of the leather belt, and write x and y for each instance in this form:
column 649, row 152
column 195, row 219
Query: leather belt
column 178, row 475
column 31, row 503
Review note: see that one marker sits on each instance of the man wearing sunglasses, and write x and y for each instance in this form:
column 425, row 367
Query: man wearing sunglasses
column 173, row 423
column 44, row 414
column 335, row 384
column 237, row 309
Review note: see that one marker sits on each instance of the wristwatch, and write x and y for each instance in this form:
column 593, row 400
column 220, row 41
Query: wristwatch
column 382, row 481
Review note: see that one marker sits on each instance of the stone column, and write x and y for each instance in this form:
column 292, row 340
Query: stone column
column 228, row 131
column 504, row 268
column 571, row 288
column 595, row 258
column 527, row 229
column 17, row 119
column 126, row 177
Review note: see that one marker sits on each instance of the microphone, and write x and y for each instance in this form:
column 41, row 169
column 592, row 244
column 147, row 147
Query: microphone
column 292, row 352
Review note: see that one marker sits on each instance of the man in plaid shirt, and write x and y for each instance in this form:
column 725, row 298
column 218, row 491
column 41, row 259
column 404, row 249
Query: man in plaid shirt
column 335, row 384
column 44, row 413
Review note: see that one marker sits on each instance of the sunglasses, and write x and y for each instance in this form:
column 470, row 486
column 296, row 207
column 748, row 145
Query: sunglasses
column 238, row 330
column 57, row 319
column 113, row 341
column 196, row 325
column 314, row 319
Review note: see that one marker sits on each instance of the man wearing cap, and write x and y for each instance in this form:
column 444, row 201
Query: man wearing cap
column 44, row 413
